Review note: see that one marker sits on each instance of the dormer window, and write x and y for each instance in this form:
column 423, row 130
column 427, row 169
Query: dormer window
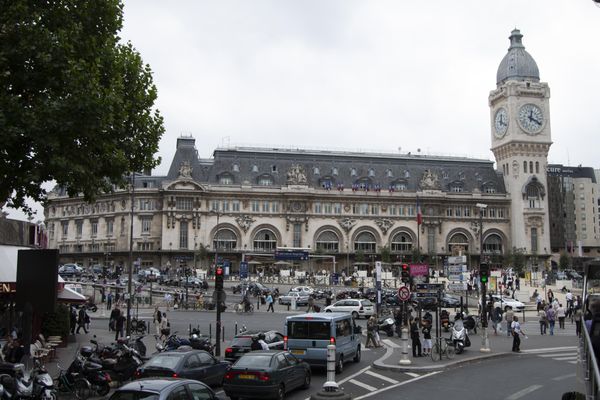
column 334, row 171
column 265, row 180
column 255, row 168
column 235, row 167
column 316, row 170
column 273, row 168
column 371, row 172
column 389, row 173
column 406, row 174
column 353, row 172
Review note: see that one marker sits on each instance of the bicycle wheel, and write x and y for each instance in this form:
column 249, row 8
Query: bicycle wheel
column 450, row 352
column 436, row 354
column 82, row 389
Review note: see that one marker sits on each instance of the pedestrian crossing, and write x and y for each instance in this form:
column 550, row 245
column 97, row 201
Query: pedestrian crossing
column 532, row 327
column 370, row 381
column 565, row 354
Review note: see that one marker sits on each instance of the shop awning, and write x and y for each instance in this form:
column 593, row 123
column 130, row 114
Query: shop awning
column 70, row 296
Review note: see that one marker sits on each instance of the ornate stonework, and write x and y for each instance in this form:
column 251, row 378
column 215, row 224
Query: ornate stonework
column 185, row 170
column 429, row 181
column 347, row 223
column 384, row 224
column 296, row 175
column 244, row 222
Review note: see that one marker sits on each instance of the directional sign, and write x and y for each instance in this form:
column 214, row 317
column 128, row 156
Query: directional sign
column 457, row 260
column 243, row 270
column 457, row 268
column 457, row 287
column 456, row 277
column 430, row 286
column 426, row 294
column 403, row 293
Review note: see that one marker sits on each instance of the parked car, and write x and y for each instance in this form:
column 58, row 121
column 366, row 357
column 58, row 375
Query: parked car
column 191, row 364
column 163, row 389
column 449, row 300
column 241, row 343
column 505, row 302
column 194, row 282
column 572, row 274
column 305, row 290
column 357, row 307
column 254, row 288
column 150, row 274
column 301, row 299
column 269, row 374
column 70, row 270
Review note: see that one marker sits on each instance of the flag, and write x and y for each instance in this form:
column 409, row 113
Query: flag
column 419, row 215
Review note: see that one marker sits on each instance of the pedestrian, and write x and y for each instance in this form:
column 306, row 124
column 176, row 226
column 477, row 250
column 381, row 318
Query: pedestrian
column 518, row 283
column 516, row 332
column 371, row 332
column 109, row 300
column 550, row 296
column 87, row 321
column 551, row 317
column 560, row 314
column 114, row 314
column 270, row 302
column 414, row 336
column 539, row 302
column 569, row 298
column 165, row 326
column 255, row 345
column 73, row 319
column 311, row 304
column 426, row 339
column 543, row 319
column 508, row 317
column 157, row 319
column 117, row 298
column 81, row 320
column 578, row 315
column 261, row 341
column 496, row 319
column 119, row 325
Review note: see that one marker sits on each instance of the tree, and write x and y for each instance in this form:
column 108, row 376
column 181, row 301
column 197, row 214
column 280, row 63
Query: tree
column 564, row 261
column 516, row 259
column 385, row 253
column 76, row 106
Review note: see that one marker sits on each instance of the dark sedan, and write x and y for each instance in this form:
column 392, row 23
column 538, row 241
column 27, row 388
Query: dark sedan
column 253, row 288
column 268, row 374
column 191, row 364
column 241, row 343
column 163, row 389
column 449, row 301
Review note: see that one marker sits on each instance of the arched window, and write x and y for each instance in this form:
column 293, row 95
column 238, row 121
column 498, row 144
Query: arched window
column 492, row 244
column 371, row 172
column 401, row 243
column 533, row 195
column 328, row 242
column 531, row 167
column 265, row 240
column 537, row 167
column 365, row 242
column 265, row 180
column 352, row 171
column 525, row 167
column 458, row 240
column 225, row 239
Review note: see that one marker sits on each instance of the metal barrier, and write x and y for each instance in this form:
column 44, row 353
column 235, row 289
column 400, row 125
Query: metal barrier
column 591, row 374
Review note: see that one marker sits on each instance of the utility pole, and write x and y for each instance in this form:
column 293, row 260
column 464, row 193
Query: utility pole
column 130, row 275
column 483, row 278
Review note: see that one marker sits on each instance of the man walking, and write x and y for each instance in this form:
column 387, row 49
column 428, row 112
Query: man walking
column 371, row 333
column 543, row 321
column 415, row 338
column 516, row 332
column 509, row 318
column 560, row 314
column 157, row 320
column 269, row 301
column 551, row 316
column 81, row 320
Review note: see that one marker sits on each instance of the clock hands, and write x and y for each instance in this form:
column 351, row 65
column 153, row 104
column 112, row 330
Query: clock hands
column 533, row 119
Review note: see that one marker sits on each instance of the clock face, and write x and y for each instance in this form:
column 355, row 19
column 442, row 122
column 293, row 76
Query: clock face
column 501, row 122
column 531, row 119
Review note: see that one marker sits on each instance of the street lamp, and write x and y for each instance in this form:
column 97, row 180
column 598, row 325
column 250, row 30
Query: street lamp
column 219, row 294
column 130, row 255
column 485, row 343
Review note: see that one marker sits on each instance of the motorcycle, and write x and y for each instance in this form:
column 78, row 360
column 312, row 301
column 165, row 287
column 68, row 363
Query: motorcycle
column 445, row 320
column 121, row 366
column 387, row 325
column 173, row 342
column 95, row 381
column 459, row 336
column 14, row 385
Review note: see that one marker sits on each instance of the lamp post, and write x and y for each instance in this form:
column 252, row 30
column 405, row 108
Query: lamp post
column 218, row 295
column 485, row 343
column 130, row 275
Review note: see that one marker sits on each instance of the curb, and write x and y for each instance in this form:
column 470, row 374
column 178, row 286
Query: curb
column 379, row 364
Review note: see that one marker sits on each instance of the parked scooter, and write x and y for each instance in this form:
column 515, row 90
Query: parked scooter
column 445, row 320
column 122, row 366
column 96, row 380
column 174, row 342
column 14, row 385
column 387, row 325
column 459, row 336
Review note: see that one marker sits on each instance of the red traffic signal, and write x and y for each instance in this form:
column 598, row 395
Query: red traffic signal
column 405, row 274
column 219, row 271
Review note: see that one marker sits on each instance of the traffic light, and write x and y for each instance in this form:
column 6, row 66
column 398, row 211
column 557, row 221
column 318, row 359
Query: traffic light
column 405, row 273
column 219, row 278
column 484, row 273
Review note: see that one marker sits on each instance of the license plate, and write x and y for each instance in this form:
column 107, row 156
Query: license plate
column 300, row 352
column 246, row 376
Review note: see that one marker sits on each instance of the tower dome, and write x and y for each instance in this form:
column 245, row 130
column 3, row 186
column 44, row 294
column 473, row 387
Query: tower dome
column 517, row 64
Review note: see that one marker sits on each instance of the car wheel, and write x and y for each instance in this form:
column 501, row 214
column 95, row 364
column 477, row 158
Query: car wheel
column 355, row 315
column 281, row 392
column 339, row 367
column 307, row 378
column 327, row 310
column 357, row 356
column 103, row 389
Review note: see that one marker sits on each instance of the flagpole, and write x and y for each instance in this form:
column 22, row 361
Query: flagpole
column 419, row 221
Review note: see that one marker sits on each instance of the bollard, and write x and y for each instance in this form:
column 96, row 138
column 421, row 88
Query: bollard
column 523, row 314
column 404, row 356
column 330, row 385
column 235, row 328
column 223, row 333
column 210, row 331
column 288, row 307
column 258, row 302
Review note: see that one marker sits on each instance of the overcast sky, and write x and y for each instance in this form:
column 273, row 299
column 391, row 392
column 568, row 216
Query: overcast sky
column 362, row 75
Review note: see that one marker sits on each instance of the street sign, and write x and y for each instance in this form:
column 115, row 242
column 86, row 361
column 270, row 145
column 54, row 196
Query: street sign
column 298, row 255
column 457, row 287
column 458, row 268
column 421, row 295
column 455, row 277
column 457, row 260
column 243, row 270
column 403, row 293
column 430, row 286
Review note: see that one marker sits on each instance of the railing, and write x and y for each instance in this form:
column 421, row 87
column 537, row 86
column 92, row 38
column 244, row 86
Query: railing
column 591, row 374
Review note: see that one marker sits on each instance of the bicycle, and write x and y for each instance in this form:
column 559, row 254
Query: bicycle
column 442, row 346
column 240, row 309
column 72, row 384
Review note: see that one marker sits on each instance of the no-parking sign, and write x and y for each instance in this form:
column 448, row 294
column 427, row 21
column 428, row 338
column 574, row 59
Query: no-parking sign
column 403, row 293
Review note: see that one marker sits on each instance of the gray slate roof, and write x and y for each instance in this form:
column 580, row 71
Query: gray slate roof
column 517, row 64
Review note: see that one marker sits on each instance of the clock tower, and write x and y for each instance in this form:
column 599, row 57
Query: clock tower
column 521, row 139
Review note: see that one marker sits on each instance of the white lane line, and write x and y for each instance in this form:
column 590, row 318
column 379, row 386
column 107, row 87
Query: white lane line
column 341, row 381
column 550, row 349
column 388, row 342
column 571, row 358
column 556, row 354
column 414, row 375
column 382, row 377
column 363, row 385
column 572, row 362
column 560, row 378
column 523, row 392
column 396, row 385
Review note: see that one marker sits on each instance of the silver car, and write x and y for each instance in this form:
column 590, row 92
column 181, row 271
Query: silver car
column 301, row 299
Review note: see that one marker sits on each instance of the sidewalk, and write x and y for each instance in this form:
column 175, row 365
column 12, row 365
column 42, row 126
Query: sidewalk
column 500, row 345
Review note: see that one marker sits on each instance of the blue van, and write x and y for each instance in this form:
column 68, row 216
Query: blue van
column 308, row 335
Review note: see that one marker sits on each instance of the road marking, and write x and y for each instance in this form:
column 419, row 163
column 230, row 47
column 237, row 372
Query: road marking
column 396, row 385
column 523, row 392
column 385, row 378
column 550, row 349
column 560, row 378
column 388, row 342
column 414, row 375
column 572, row 362
column 363, row 385
column 556, row 354
column 565, row 358
column 341, row 381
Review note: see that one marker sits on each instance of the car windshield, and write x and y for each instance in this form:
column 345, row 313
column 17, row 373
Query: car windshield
column 165, row 360
column 134, row 395
column 242, row 341
column 316, row 330
column 254, row 361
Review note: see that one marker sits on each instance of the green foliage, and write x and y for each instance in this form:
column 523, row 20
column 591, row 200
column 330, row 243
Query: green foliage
column 565, row 261
column 57, row 323
column 386, row 254
column 516, row 259
column 76, row 106
column 202, row 252
column 359, row 256
column 416, row 255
